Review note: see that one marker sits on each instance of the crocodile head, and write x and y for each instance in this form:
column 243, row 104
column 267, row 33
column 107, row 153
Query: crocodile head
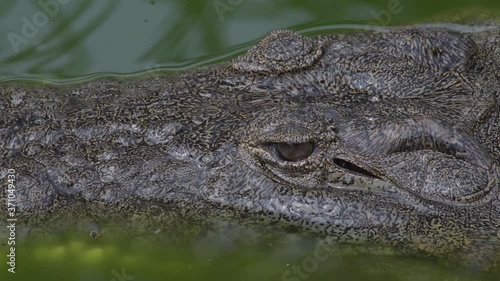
column 387, row 138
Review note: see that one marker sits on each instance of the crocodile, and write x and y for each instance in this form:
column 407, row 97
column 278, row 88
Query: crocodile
column 387, row 137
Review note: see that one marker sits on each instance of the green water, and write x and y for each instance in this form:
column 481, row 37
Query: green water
column 82, row 39
column 76, row 40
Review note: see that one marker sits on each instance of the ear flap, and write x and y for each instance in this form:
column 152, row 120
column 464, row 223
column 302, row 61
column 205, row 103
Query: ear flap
column 279, row 52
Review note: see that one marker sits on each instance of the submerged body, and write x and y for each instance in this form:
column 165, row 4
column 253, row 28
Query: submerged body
column 387, row 138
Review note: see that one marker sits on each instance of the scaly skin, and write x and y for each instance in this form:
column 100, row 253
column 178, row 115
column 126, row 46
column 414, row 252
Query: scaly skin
column 383, row 138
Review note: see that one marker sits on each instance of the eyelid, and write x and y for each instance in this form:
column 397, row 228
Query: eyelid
column 288, row 134
column 429, row 142
column 407, row 136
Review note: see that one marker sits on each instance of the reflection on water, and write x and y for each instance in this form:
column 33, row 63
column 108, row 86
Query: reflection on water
column 82, row 38
column 47, row 39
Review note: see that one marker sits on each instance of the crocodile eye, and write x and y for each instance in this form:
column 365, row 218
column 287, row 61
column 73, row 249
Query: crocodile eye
column 293, row 151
